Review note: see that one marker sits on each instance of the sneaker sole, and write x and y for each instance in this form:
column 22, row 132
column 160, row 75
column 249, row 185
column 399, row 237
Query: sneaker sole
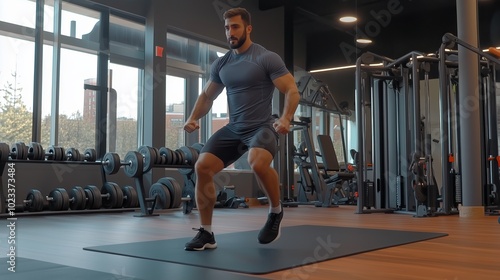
column 206, row 246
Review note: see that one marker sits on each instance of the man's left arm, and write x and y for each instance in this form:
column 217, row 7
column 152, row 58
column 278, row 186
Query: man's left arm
column 286, row 85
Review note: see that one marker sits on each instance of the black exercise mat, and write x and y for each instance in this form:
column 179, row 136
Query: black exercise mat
column 298, row 245
column 145, row 269
column 34, row 269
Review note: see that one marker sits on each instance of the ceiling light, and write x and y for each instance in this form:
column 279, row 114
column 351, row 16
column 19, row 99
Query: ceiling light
column 332, row 69
column 363, row 41
column 348, row 19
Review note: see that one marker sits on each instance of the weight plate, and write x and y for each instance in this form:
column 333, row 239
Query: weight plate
column 166, row 182
column 175, row 191
column 96, row 196
column 181, row 159
column 90, row 155
column 56, row 204
column 72, row 154
column 109, row 196
column 34, row 201
column 198, row 147
column 162, row 195
column 134, row 164
column 22, row 151
column 40, row 152
column 77, row 198
column 89, row 195
column 111, row 163
column 60, row 154
column 119, row 195
column 65, row 198
column 166, row 153
column 33, row 151
column 4, row 152
column 57, row 156
column 112, row 196
column 130, row 198
column 51, row 153
column 149, row 158
column 187, row 154
column 17, row 151
column 157, row 155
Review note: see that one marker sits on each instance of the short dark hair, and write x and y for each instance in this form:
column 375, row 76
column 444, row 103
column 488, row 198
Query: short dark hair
column 245, row 15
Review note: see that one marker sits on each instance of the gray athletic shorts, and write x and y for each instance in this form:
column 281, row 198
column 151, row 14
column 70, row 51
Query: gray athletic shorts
column 229, row 146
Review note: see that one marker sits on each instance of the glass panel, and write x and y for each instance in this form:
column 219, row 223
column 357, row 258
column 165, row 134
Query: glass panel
column 220, row 116
column 336, row 134
column 16, row 89
column 175, row 96
column 76, row 123
column 20, row 12
column 122, row 104
column 126, row 34
column 177, row 47
column 78, row 21
column 46, row 95
column 48, row 16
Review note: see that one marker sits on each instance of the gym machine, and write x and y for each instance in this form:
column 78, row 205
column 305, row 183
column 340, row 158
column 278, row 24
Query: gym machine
column 315, row 186
column 397, row 153
column 395, row 161
column 488, row 110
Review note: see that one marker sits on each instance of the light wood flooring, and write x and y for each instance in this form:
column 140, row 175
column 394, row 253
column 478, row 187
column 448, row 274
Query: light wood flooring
column 470, row 251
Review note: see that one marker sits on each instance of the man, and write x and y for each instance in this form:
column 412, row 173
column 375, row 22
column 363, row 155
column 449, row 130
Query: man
column 250, row 74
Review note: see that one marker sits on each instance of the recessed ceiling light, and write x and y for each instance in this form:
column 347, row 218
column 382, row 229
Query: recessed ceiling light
column 348, row 19
column 364, row 41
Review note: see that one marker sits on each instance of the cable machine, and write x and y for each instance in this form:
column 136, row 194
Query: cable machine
column 315, row 186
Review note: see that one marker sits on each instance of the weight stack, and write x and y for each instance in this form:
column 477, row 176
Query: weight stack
column 369, row 194
column 458, row 188
column 432, row 196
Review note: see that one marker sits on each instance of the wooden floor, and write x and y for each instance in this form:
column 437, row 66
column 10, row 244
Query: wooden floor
column 471, row 251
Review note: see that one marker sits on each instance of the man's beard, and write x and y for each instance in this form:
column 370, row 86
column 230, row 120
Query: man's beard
column 239, row 43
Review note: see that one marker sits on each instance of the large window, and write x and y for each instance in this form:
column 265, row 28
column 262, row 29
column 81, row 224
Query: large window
column 188, row 65
column 76, row 121
column 68, row 75
column 16, row 89
column 174, row 122
column 19, row 12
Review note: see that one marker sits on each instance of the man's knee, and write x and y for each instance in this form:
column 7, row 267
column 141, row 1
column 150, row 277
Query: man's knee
column 208, row 164
column 260, row 160
column 260, row 168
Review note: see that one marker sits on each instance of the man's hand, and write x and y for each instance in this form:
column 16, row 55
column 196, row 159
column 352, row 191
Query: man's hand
column 282, row 125
column 191, row 126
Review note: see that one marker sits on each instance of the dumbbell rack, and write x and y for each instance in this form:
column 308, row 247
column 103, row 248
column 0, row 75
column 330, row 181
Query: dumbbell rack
column 138, row 163
column 35, row 155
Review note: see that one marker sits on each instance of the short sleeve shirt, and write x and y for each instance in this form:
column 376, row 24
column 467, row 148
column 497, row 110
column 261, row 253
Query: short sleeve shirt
column 248, row 78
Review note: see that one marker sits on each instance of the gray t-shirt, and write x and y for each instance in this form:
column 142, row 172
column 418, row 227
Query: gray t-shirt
column 248, row 78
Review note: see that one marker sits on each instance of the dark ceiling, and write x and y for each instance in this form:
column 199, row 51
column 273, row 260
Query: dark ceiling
column 396, row 27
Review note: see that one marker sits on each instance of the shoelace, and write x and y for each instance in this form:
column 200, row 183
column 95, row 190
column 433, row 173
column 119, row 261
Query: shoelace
column 274, row 221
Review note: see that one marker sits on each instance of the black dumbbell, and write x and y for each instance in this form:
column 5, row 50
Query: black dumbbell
column 133, row 163
column 57, row 200
column 110, row 196
column 89, row 155
column 167, row 194
column 18, row 150
column 36, row 152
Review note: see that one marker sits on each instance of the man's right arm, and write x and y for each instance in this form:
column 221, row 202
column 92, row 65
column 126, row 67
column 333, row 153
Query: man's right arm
column 203, row 104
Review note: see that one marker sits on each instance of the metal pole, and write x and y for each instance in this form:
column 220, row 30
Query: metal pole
column 469, row 99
